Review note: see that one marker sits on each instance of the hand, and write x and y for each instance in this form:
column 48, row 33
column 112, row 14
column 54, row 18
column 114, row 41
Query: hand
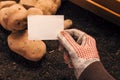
column 82, row 52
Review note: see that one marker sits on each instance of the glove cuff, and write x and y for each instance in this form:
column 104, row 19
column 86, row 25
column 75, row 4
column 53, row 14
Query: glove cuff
column 83, row 64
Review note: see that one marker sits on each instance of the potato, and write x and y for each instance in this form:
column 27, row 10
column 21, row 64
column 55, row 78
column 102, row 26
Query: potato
column 48, row 6
column 35, row 11
column 67, row 23
column 15, row 18
column 6, row 4
column 32, row 50
column 18, row 19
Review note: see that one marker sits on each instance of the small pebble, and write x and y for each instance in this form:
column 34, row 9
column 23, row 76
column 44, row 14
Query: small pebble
column 14, row 63
column 52, row 51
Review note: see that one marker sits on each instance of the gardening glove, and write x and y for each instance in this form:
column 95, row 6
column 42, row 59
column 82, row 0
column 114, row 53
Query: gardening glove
column 82, row 52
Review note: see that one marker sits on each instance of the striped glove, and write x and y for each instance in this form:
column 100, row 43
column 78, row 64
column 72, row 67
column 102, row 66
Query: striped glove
column 82, row 52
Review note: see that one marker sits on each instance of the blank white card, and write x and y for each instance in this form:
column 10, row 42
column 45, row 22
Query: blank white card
column 44, row 27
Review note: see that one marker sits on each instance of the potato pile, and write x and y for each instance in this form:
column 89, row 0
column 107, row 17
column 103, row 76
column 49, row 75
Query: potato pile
column 13, row 17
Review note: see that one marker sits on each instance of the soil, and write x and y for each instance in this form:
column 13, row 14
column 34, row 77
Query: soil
column 52, row 66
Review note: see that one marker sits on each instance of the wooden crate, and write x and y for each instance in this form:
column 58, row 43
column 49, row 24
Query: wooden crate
column 108, row 9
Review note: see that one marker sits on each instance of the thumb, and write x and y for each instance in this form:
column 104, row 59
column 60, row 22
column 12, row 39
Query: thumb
column 67, row 41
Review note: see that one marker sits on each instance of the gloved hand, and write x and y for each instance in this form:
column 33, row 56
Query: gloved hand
column 82, row 52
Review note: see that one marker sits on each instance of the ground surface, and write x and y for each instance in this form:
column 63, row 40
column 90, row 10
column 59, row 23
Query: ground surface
column 52, row 67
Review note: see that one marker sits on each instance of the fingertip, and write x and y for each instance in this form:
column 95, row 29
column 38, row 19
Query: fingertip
column 61, row 34
column 70, row 65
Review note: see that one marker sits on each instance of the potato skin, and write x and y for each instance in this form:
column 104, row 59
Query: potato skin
column 67, row 23
column 48, row 7
column 28, row 3
column 4, row 17
column 32, row 50
column 6, row 3
column 34, row 11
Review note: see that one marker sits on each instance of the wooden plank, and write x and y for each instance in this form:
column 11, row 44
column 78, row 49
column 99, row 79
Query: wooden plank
column 97, row 9
column 110, row 4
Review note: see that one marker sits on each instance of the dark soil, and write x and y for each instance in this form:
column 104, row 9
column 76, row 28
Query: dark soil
column 52, row 67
